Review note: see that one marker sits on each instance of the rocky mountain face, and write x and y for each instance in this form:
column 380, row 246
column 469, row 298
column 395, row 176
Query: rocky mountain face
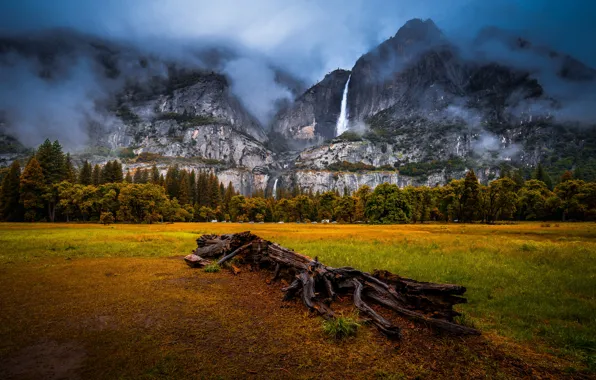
column 312, row 117
column 421, row 110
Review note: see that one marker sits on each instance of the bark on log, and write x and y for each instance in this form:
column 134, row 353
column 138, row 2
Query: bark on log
column 317, row 285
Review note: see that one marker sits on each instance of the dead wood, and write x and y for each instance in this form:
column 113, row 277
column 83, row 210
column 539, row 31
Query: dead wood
column 317, row 285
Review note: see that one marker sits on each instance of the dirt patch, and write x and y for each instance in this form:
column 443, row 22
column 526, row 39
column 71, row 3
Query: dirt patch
column 45, row 360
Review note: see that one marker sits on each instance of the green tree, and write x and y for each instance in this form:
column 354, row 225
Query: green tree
column 85, row 176
column 345, row 208
column 69, row 170
column 470, row 197
column 388, row 204
column 32, row 188
column 541, row 175
column 10, row 207
column 96, row 175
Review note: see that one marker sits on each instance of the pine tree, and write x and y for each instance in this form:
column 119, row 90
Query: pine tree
column 69, row 170
column 470, row 198
column 96, row 175
column 202, row 196
column 106, row 173
column 10, row 207
column 85, row 176
column 136, row 178
column 228, row 197
column 117, row 172
column 192, row 183
column 52, row 161
column 541, row 175
column 183, row 193
column 144, row 176
column 32, row 188
column 128, row 177
column 173, row 181
column 154, row 175
column 213, row 191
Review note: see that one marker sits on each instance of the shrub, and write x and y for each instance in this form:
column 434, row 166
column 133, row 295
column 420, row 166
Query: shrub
column 528, row 247
column 106, row 218
column 212, row 268
column 340, row 327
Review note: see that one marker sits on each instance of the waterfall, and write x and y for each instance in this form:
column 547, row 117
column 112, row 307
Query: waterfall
column 275, row 188
column 342, row 121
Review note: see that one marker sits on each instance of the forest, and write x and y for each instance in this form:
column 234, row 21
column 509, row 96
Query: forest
column 50, row 188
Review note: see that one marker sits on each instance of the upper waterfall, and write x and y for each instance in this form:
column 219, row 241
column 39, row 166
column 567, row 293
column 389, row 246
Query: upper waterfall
column 342, row 121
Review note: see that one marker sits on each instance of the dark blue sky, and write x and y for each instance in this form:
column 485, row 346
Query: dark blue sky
column 309, row 35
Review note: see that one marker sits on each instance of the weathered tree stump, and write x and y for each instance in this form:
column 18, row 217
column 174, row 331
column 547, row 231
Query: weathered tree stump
column 317, row 285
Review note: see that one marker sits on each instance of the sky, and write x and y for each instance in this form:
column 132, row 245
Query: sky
column 307, row 38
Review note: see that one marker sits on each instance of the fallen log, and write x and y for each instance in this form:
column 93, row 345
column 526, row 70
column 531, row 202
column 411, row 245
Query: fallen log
column 318, row 285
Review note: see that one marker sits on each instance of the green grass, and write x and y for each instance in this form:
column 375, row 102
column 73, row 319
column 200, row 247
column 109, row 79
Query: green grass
column 212, row 268
column 528, row 283
column 340, row 327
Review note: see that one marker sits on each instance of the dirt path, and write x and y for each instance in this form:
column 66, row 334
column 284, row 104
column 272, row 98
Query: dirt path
column 156, row 318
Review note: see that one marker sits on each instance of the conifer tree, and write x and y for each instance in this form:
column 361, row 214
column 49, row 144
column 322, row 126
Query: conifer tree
column 183, row 193
column 541, row 175
column 128, row 177
column 144, row 176
column 10, row 207
column 154, row 175
column 136, row 178
column 96, row 175
column 69, row 170
column 85, row 176
column 32, row 188
column 470, row 197
column 192, row 183
column 173, row 181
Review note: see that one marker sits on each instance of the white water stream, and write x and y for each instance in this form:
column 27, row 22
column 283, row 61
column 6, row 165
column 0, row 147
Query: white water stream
column 342, row 121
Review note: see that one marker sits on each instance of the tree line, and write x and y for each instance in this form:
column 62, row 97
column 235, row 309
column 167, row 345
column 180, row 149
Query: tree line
column 50, row 188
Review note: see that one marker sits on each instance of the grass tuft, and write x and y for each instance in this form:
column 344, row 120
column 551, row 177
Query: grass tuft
column 212, row 268
column 341, row 327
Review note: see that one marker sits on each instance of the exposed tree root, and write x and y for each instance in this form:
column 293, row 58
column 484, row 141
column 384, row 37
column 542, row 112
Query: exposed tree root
column 317, row 285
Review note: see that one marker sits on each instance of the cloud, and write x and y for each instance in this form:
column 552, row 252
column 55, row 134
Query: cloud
column 36, row 108
column 307, row 38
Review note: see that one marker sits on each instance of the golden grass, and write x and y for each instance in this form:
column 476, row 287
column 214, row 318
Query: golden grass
column 136, row 313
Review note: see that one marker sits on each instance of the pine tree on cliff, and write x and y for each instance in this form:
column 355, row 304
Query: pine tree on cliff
column 96, row 175
column 10, row 207
column 32, row 188
column 85, row 175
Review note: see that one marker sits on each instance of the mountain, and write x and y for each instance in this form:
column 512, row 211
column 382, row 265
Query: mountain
column 421, row 109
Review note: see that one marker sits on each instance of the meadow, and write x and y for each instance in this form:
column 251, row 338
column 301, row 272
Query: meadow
column 91, row 288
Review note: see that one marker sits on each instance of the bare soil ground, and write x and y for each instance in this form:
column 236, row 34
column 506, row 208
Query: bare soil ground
column 131, row 318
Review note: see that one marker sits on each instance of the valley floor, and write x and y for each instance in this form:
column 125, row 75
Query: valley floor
column 91, row 301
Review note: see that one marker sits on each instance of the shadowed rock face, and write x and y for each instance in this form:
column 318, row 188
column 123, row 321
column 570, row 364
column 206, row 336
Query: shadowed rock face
column 313, row 116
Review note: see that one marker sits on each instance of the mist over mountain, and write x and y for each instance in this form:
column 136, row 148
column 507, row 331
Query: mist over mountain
column 254, row 91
